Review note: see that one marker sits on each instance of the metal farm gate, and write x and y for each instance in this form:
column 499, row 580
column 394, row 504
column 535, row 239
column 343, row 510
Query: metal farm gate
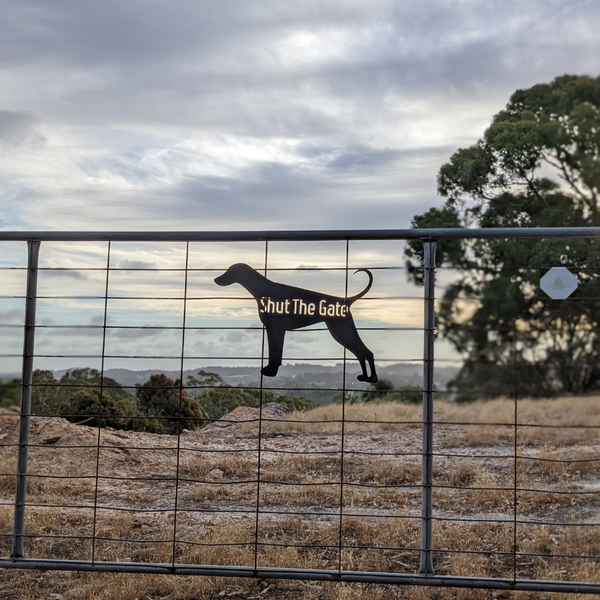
column 497, row 495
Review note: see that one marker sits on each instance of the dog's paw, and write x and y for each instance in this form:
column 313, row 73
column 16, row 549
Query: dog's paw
column 367, row 379
column 269, row 371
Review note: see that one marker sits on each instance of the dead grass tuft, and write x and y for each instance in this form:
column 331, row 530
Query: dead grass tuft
column 234, row 466
column 230, row 542
column 489, row 492
column 8, row 470
column 388, row 471
column 463, row 473
column 309, row 468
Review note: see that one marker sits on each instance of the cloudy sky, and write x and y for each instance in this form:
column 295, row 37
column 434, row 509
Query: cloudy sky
column 152, row 114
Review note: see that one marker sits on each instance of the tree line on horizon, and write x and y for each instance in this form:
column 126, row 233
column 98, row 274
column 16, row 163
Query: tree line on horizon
column 160, row 405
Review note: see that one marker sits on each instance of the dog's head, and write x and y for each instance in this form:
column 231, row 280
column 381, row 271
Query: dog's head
column 235, row 274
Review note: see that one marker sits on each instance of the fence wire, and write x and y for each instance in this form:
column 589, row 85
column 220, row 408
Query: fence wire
column 502, row 494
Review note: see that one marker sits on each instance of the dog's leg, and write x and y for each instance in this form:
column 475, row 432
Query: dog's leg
column 275, row 337
column 370, row 378
column 344, row 332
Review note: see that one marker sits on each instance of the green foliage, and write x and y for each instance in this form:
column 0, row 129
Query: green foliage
column 293, row 402
column 556, row 125
column 10, row 393
column 516, row 340
column 77, row 396
column 49, row 394
column 407, row 394
column 385, row 391
column 165, row 400
column 46, row 396
column 217, row 398
column 84, row 378
column 378, row 390
column 156, row 406
column 96, row 409
column 448, row 251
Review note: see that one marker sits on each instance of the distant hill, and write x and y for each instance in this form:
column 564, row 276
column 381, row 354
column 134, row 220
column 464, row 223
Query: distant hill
column 319, row 383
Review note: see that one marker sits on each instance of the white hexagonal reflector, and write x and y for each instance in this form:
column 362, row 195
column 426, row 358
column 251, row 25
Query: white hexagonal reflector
column 559, row 283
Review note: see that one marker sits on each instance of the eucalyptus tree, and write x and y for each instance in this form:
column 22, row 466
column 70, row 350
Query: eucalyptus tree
column 537, row 165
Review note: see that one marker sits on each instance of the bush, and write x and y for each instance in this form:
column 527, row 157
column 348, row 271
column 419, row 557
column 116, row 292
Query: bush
column 378, row 390
column 10, row 393
column 49, row 394
column 409, row 394
column 163, row 399
column 384, row 391
column 96, row 409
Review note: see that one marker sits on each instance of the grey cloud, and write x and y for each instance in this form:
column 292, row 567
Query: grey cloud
column 281, row 194
column 64, row 273
column 136, row 264
column 99, row 320
column 215, row 65
column 365, row 157
column 19, row 127
column 235, row 337
column 88, row 333
column 379, row 189
column 128, row 79
column 134, row 334
column 12, row 316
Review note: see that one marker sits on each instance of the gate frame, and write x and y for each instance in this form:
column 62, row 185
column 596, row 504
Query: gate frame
column 425, row 575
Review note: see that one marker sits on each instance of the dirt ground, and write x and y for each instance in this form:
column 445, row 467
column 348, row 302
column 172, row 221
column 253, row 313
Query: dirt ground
column 304, row 490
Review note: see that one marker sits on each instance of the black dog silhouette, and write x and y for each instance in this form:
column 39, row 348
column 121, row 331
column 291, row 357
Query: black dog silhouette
column 283, row 308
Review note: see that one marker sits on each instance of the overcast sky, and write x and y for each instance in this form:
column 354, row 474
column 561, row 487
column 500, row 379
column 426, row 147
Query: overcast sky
column 206, row 115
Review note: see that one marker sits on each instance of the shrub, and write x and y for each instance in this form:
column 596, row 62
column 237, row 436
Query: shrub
column 96, row 409
column 163, row 399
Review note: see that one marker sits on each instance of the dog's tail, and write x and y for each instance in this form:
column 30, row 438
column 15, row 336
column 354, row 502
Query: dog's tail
column 361, row 294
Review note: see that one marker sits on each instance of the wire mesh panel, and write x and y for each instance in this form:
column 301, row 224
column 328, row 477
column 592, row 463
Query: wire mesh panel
column 517, row 449
column 154, row 435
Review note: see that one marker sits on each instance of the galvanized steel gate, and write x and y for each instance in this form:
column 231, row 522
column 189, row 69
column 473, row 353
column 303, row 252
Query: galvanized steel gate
column 428, row 553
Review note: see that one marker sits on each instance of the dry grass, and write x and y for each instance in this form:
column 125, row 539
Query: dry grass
column 462, row 473
column 382, row 488
column 386, row 471
column 8, row 469
column 234, row 466
column 389, row 416
column 563, row 421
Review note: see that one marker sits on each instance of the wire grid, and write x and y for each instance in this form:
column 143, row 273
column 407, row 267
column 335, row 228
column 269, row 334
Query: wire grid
column 527, row 487
column 260, row 534
column 256, row 512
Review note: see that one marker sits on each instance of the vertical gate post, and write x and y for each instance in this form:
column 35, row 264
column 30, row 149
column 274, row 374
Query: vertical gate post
column 33, row 252
column 426, row 564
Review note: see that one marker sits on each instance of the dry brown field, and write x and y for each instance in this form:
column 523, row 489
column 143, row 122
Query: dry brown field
column 330, row 495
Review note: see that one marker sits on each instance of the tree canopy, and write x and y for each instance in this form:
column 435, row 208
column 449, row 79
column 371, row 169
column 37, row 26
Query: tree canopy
column 49, row 394
column 537, row 164
column 165, row 400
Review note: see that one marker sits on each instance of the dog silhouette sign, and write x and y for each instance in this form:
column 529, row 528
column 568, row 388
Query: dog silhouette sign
column 284, row 308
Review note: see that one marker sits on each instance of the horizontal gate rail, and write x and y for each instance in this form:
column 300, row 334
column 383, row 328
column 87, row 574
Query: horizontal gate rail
column 301, row 235
column 487, row 583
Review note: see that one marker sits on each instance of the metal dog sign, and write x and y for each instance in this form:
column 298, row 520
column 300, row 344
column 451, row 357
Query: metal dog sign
column 284, row 308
